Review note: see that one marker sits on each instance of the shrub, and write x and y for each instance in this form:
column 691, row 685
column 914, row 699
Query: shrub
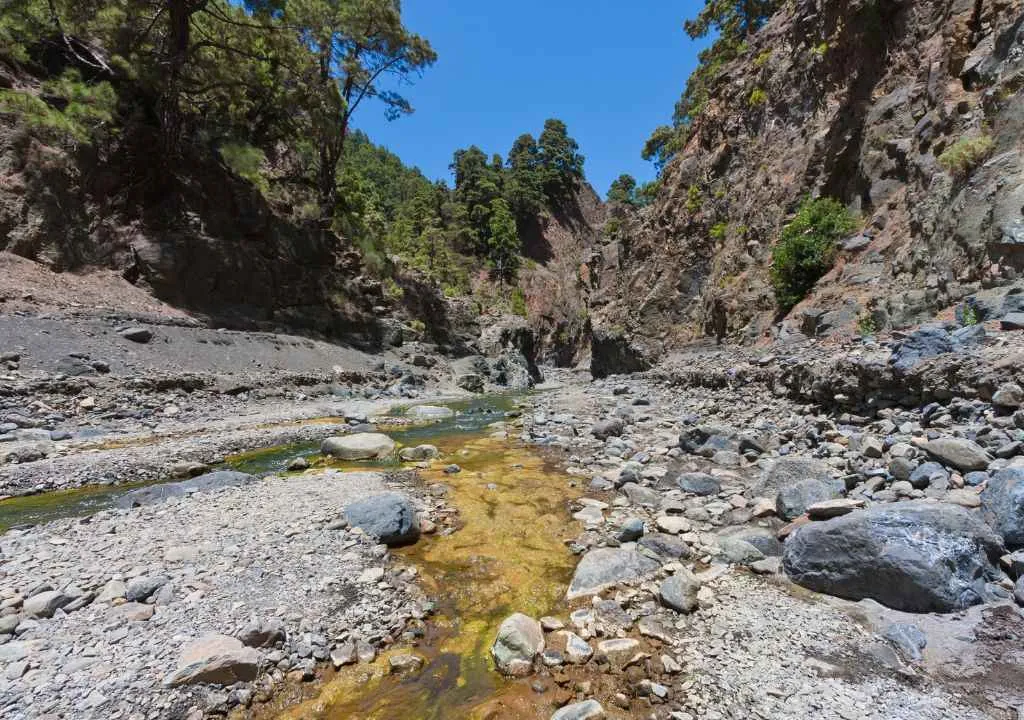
column 807, row 248
column 518, row 302
column 966, row 154
column 245, row 161
column 392, row 290
column 757, row 98
column 88, row 110
column 866, row 325
column 719, row 231
column 762, row 59
column 693, row 199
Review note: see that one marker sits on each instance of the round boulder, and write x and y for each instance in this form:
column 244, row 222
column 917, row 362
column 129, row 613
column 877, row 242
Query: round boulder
column 388, row 517
column 520, row 639
column 359, row 446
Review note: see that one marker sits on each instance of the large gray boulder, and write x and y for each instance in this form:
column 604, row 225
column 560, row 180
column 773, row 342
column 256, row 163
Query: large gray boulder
column 679, row 591
column 1002, row 501
column 520, row 639
column 914, row 556
column 699, row 483
column 152, row 494
column 602, row 568
column 215, row 659
column 359, row 446
column 962, row 454
column 388, row 517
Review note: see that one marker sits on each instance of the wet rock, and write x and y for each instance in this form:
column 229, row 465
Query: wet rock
column 430, row 412
column 420, row 452
column 158, row 493
column 915, row 556
column 961, row 454
column 298, row 464
column 679, row 591
column 604, row 567
column 359, row 446
column 404, row 663
column 520, row 639
column 217, row 660
column 388, row 517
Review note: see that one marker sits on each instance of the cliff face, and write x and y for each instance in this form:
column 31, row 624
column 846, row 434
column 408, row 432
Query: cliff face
column 855, row 100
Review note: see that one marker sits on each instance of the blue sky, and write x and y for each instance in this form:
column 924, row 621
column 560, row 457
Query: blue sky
column 611, row 70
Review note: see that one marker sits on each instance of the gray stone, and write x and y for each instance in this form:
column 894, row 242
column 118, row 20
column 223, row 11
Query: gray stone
column 113, row 590
column 388, row 517
column 262, row 633
column 793, row 499
column 605, row 429
column 738, row 551
column 679, row 591
column 520, row 639
column 140, row 588
column 586, row 710
column 632, row 529
column 665, row 545
column 916, row 556
column 787, row 471
column 907, row 638
column 699, row 484
column 927, row 473
column 137, row 334
column 359, row 446
column 1009, row 395
column 602, row 568
column 1002, row 501
column 45, row 604
column 217, row 660
column 961, row 454
column 1012, row 321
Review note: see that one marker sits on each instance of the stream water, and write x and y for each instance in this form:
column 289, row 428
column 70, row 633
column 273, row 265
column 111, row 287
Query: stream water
column 507, row 556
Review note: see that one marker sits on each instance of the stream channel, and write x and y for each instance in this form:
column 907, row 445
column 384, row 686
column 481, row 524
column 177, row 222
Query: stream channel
column 508, row 555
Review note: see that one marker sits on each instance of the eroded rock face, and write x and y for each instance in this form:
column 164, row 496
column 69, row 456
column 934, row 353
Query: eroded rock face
column 612, row 353
column 388, row 517
column 603, row 567
column 915, row 556
column 520, row 639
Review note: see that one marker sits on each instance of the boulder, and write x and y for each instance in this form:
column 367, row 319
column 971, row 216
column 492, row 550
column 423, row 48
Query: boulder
column 262, row 633
column 1009, row 395
column 964, row 455
column 679, row 591
column 359, row 446
column 420, row 452
column 1002, row 502
column 137, row 334
column 520, row 639
column 602, row 568
column 915, row 556
column 388, row 517
column 699, row 483
column 140, row 588
column 152, row 494
column 608, row 428
column 665, row 545
column 217, row 660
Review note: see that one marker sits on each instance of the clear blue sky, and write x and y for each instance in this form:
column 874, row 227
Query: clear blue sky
column 611, row 70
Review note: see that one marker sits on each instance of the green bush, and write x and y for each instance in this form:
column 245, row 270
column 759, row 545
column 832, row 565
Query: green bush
column 807, row 248
column 245, row 161
column 88, row 110
column 518, row 302
column 757, row 97
column 966, row 154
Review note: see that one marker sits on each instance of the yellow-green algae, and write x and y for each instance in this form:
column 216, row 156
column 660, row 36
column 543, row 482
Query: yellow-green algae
column 508, row 556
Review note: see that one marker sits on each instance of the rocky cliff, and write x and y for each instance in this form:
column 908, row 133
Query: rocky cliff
column 859, row 101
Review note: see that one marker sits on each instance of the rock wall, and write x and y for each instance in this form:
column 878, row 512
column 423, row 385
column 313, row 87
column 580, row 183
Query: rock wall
column 855, row 100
